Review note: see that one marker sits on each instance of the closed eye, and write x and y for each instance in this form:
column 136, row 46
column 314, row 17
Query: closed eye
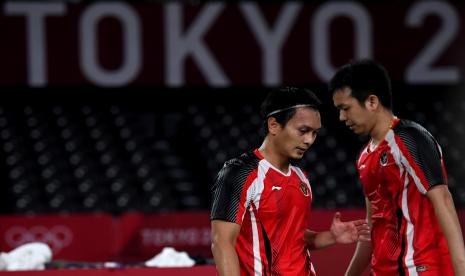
column 343, row 107
column 309, row 129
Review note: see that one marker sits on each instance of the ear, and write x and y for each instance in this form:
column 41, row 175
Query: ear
column 372, row 102
column 273, row 126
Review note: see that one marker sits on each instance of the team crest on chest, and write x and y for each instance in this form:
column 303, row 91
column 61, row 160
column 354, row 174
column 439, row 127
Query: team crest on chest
column 383, row 158
column 304, row 188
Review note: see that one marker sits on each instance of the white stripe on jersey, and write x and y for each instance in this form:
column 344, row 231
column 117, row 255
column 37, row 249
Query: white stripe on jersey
column 249, row 197
column 409, row 263
column 312, row 269
column 254, row 193
column 256, row 245
column 399, row 158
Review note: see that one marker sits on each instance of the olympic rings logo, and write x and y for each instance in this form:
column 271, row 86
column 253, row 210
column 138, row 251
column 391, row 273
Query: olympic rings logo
column 57, row 237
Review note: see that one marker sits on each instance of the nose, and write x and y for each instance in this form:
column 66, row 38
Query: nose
column 342, row 116
column 309, row 138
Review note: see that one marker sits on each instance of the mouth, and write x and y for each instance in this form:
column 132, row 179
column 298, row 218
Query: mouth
column 351, row 126
column 302, row 149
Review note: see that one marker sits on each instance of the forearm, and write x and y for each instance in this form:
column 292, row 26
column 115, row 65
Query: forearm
column 450, row 226
column 226, row 260
column 318, row 240
column 360, row 260
column 362, row 256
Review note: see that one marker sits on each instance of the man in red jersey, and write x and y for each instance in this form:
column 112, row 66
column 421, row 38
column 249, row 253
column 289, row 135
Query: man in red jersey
column 261, row 202
column 414, row 224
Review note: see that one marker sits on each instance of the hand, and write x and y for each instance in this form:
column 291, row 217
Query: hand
column 350, row 231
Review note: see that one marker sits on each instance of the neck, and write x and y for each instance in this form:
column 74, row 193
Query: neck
column 274, row 157
column 382, row 126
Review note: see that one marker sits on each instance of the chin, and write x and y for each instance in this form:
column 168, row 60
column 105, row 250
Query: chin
column 359, row 132
column 297, row 156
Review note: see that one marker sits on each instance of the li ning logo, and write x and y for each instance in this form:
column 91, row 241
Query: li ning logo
column 304, row 188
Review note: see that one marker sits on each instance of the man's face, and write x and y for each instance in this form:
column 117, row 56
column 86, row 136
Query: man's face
column 355, row 116
column 300, row 132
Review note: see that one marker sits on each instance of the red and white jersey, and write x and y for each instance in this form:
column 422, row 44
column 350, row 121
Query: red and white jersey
column 272, row 208
column 406, row 236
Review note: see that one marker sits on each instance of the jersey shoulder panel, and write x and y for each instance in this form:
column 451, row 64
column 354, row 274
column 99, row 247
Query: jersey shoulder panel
column 229, row 185
column 423, row 149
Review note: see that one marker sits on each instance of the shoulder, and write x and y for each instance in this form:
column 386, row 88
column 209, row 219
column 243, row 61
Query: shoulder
column 416, row 141
column 423, row 154
column 247, row 161
column 409, row 131
column 237, row 169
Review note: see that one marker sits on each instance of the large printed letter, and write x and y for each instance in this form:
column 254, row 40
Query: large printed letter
column 271, row 41
column 180, row 45
column 131, row 29
column 35, row 14
column 320, row 57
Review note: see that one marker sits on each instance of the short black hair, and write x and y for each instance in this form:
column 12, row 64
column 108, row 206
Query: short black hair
column 364, row 77
column 281, row 103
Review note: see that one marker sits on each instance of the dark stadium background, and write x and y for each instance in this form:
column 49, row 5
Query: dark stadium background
column 71, row 144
